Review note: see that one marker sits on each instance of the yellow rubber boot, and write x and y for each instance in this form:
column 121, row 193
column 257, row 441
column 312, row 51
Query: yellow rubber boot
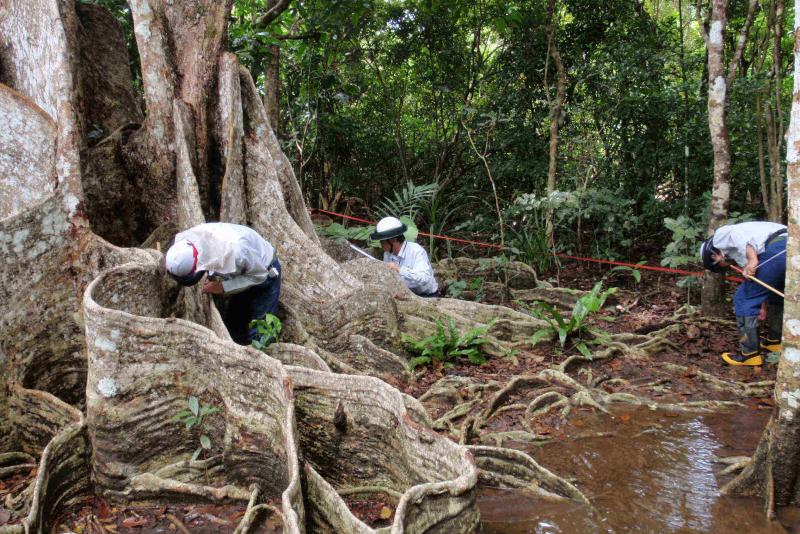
column 733, row 358
column 771, row 345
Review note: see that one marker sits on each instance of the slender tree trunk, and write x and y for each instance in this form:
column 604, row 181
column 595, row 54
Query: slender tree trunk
column 777, row 64
column 774, row 472
column 556, row 114
column 719, row 83
column 762, row 166
column 272, row 80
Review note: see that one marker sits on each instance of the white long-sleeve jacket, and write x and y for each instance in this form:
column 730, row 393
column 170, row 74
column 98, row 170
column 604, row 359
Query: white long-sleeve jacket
column 732, row 239
column 415, row 268
column 235, row 253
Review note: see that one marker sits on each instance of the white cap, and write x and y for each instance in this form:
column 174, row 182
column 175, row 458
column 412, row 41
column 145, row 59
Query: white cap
column 181, row 258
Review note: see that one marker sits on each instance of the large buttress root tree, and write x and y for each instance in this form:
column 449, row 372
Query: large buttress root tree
column 100, row 350
column 774, row 471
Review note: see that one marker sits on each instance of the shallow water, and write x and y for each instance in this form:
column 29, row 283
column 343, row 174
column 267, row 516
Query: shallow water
column 655, row 473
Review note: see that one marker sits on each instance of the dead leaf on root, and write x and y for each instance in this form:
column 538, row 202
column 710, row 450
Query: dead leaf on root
column 134, row 521
column 692, row 331
column 5, row 516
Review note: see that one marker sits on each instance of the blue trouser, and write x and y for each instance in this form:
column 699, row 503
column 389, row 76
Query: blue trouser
column 251, row 304
column 750, row 296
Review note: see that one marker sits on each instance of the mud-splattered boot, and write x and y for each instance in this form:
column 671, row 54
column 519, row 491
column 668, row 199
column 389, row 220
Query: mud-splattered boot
column 748, row 343
column 772, row 340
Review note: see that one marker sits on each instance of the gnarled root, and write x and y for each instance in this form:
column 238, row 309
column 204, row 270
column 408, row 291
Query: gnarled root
column 509, row 468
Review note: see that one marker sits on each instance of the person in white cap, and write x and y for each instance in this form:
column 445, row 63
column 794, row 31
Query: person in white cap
column 237, row 262
column 408, row 259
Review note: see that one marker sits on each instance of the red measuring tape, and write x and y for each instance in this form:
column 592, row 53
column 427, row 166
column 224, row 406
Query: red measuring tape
column 565, row 256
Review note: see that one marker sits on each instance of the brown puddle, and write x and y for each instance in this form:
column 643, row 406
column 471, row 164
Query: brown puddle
column 656, row 473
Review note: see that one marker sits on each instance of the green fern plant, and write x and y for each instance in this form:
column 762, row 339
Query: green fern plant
column 447, row 344
column 408, row 201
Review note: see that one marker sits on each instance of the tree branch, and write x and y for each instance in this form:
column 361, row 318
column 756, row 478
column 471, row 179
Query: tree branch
column 701, row 22
column 273, row 13
column 737, row 56
column 297, row 36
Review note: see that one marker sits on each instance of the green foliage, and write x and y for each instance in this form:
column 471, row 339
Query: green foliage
column 361, row 233
column 194, row 416
column 576, row 325
column 408, row 201
column 455, row 288
column 447, row 345
column 635, row 273
column 269, row 331
column 349, row 233
column 687, row 234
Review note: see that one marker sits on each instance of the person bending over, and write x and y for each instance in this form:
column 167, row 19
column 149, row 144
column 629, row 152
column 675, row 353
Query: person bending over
column 406, row 258
column 238, row 262
column 759, row 248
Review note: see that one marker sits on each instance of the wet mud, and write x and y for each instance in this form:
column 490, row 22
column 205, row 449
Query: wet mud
column 648, row 471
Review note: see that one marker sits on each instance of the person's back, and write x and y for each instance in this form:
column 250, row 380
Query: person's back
column 238, row 262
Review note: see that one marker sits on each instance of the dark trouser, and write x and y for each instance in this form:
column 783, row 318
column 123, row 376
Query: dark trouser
column 750, row 296
column 251, row 304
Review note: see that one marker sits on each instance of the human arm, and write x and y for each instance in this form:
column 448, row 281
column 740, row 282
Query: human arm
column 752, row 261
column 417, row 272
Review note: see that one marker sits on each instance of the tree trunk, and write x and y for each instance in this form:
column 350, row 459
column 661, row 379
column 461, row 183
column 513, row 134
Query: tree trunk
column 713, row 295
column 272, row 87
column 272, row 69
column 101, row 349
column 556, row 115
column 774, row 472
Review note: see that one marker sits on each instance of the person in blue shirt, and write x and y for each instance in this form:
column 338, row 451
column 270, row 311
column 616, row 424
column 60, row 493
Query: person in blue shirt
column 759, row 248
column 407, row 259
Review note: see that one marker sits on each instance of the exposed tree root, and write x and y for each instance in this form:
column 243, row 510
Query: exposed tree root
column 740, row 389
column 508, row 468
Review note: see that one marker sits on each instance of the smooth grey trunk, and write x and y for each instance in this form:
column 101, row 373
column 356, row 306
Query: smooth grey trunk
column 719, row 84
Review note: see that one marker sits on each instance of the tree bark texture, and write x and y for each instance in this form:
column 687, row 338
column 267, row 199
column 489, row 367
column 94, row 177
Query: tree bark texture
column 100, row 350
column 719, row 84
column 773, row 472
column 556, row 114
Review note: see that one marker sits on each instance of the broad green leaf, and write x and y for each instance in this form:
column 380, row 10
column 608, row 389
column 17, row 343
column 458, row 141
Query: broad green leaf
column 583, row 349
column 205, row 442
column 538, row 336
column 194, row 405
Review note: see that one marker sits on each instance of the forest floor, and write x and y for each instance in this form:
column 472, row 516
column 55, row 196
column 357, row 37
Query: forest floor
column 477, row 406
column 694, row 411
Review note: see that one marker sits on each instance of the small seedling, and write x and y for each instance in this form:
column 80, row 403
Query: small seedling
column 269, row 330
column 194, row 417
column 573, row 328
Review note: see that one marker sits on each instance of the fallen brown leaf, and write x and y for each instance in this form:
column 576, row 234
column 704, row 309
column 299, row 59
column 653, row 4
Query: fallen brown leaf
column 625, row 418
column 130, row 522
column 103, row 509
column 692, row 331
column 5, row 515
